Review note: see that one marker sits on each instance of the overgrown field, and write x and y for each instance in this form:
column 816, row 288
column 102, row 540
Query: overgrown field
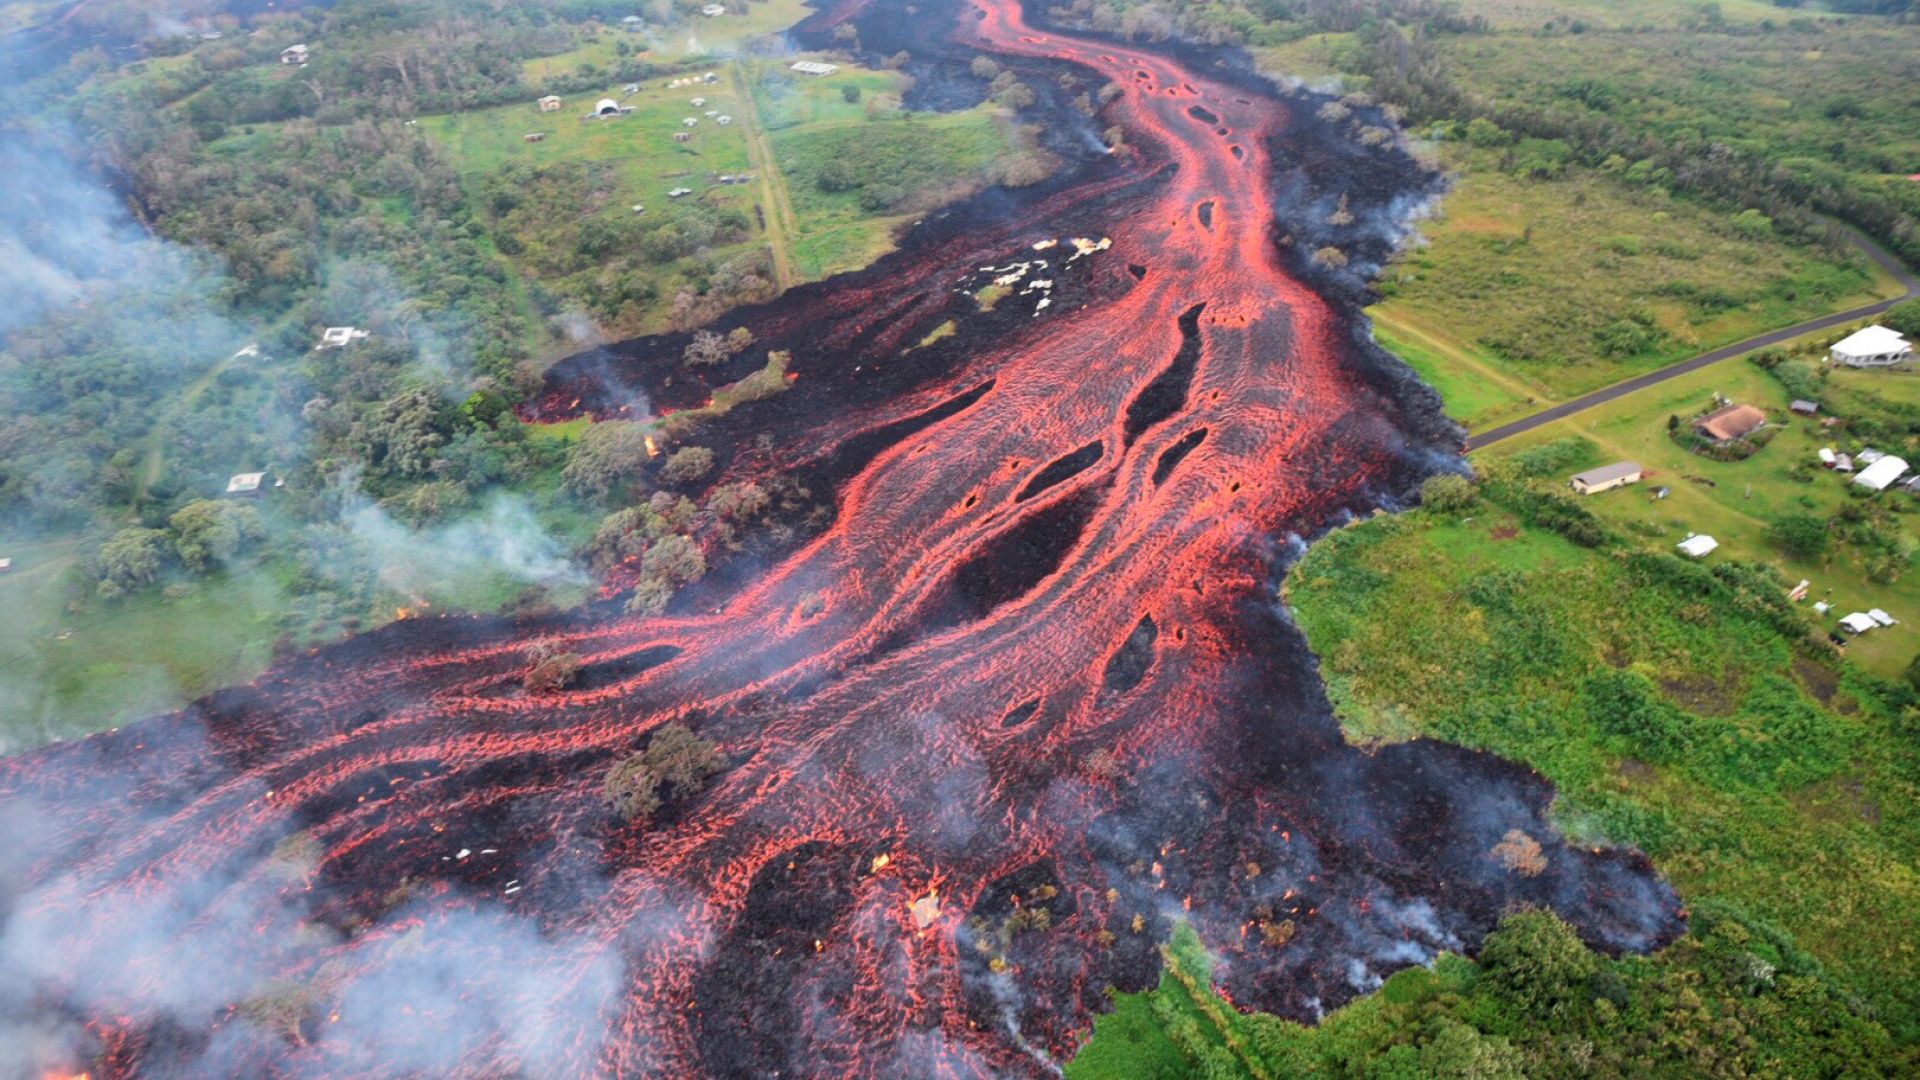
column 1680, row 708
column 1546, row 287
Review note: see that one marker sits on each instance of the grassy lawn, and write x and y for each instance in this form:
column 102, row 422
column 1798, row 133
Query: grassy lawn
column 1744, row 498
column 1486, row 313
column 69, row 674
column 695, row 36
column 937, row 156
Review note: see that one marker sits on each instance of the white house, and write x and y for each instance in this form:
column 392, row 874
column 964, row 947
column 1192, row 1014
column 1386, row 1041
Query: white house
column 1876, row 346
column 1697, row 547
column 1881, row 474
column 1607, row 477
column 714, row 11
column 815, row 68
column 247, row 483
column 339, row 337
column 294, row 54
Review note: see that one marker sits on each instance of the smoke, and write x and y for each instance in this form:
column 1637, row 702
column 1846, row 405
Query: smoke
column 504, row 539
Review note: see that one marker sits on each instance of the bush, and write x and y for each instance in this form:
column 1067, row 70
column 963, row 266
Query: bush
column 1801, row 536
column 676, row 763
column 687, row 464
column 1448, row 493
column 553, row 673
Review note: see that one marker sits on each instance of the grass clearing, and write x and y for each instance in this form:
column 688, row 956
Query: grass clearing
column 1658, row 280
column 1488, row 632
column 1744, row 497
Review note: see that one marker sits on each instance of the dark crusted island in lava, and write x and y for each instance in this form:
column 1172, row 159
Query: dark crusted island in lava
column 1027, row 700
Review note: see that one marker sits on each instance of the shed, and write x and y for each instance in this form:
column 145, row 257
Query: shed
column 339, row 337
column 1803, row 407
column 537, row 136
column 1607, row 477
column 247, row 483
column 1822, row 607
column 683, row 136
column 632, row 22
column 6, row 566
column 551, row 103
column 815, row 68
column 723, row 121
column 1827, row 456
column 1731, row 422
column 714, row 11
column 690, row 121
column 1882, row 617
column 1875, row 346
column 1697, row 547
column 699, row 103
column 1859, row 623
column 1842, row 463
column 1882, row 473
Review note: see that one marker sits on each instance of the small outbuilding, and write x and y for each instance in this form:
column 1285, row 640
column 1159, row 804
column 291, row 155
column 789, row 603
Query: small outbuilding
column 536, row 136
column 691, row 121
column 1843, row 463
column 632, row 23
column 1882, row 617
column 339, row 337
column 6, row 566
column 294, row 54
column 1697, row 547
column 815, row 68
column 1882, row 473
column 683, row 136
column 1827, row 456
column 1803, row 407
column 1731, row 422
column 608, row 108
column 551, row 103
column 1607, row 477
column 246, row 485
column 723, row 120
column 1859, row 623
column 714, row 11
column 1875, row 346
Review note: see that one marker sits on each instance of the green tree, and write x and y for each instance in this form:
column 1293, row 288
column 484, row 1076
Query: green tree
column 1536, row 961
column 687, row 464
column 1447, row 493
column 608, row 462
column 131, row 560
column 1802, row 536
column 210, row 531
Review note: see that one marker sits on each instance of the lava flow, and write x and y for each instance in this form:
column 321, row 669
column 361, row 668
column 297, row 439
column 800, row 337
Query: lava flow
column 1027, row 701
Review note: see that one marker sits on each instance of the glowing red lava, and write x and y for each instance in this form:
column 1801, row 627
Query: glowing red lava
column 1025, row 702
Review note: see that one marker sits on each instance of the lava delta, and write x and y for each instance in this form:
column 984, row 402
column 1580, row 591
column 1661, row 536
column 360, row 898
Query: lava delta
column 1026, row 701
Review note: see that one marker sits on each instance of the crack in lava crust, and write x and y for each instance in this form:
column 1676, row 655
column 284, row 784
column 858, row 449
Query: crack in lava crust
column 1046, row 672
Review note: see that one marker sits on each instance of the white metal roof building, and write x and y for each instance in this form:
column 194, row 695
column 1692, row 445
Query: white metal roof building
column 247, row 483
column 1882, row 473
column 815, row 68
column 1859, row 622
column 1697, row 547
column 1875, row 346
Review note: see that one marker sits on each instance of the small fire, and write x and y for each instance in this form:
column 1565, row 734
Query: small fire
column 880, row 862
column 926, row 910
column 653, row 451
column 402, row 613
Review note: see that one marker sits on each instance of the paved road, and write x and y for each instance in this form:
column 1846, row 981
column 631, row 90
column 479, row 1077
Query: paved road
column 1641, row 382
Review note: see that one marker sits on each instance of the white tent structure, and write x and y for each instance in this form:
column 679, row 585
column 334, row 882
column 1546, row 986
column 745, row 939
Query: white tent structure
column 1859, row 623
column 1697, row 547
column 1882, row 473
column 1876, row 346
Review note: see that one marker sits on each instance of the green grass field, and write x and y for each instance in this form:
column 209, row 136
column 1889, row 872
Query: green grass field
column 64, row 674
column 1744, row 498
column 1754, row 772
column 1546, row 289
column 695, row 36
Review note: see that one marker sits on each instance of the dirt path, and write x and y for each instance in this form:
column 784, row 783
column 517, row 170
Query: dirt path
column 778, row 208
column 1618, row 390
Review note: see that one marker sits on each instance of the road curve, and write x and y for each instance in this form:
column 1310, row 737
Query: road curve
column 1581, row 404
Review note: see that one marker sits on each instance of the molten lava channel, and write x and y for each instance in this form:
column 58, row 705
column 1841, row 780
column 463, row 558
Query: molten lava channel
column 1034, row 664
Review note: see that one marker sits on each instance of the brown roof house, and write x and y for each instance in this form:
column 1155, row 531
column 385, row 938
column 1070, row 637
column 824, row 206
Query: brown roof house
column 1731, row 422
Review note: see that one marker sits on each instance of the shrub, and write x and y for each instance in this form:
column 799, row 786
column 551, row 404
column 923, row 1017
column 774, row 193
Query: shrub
column 1447, row 493
column 676, row 764
column 553, row 673
column 1801, row 536
column 687, row 464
